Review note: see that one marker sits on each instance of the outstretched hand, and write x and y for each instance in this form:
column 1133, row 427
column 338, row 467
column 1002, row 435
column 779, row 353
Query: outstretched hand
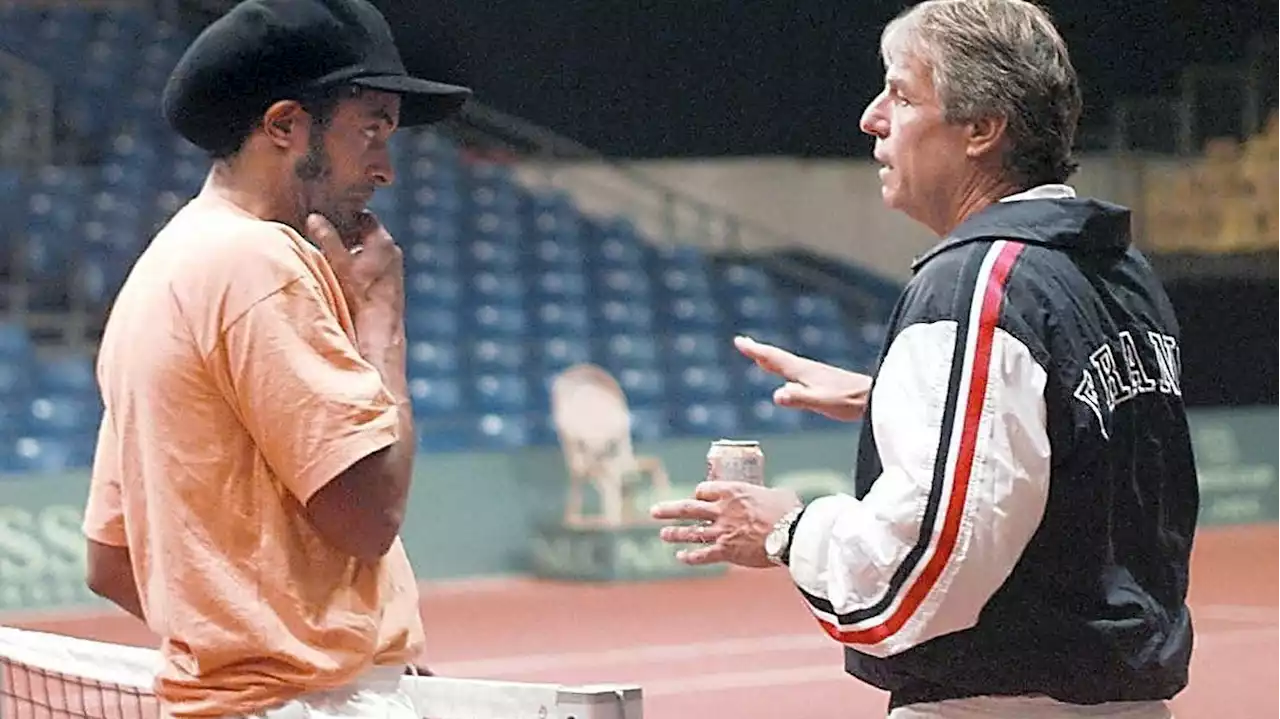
column 810, row 385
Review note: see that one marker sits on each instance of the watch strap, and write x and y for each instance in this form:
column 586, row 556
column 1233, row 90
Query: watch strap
column 793, row 520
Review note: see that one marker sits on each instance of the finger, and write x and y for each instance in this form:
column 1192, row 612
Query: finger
column 372, row 232
column 709, row 554
column 685, row 509
column 325, row 236
column 712, row 490
column 796, row 395
column 691, row 534
column 770, row 358
column 788, row 365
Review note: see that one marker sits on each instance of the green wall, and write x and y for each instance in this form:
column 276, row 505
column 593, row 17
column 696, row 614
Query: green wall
column 476, row 514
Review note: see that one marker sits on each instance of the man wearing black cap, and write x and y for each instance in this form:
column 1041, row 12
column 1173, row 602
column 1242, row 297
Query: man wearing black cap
column 257, row 442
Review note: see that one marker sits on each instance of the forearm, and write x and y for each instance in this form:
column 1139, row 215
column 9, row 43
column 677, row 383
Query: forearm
column 126, row 597
column 110, row 576
column 384, row 346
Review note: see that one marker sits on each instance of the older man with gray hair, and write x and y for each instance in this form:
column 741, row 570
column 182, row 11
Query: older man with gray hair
column 1018, row 540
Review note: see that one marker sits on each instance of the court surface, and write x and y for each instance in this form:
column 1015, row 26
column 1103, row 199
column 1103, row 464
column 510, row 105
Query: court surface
column 743, row 646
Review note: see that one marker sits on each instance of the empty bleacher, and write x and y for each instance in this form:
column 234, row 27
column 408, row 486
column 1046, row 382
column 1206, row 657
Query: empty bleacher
column 1223, row 201
column 507, row 284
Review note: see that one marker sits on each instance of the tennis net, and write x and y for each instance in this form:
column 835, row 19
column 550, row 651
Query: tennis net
column 52, row 676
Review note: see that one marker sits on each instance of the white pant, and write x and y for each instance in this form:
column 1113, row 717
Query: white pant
column 374, row 695
column 1037, row 707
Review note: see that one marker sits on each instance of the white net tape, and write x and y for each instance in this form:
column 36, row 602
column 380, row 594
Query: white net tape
column 45, row 675
column 115, row 664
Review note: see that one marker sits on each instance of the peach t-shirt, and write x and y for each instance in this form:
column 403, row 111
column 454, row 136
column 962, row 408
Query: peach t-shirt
column 233, row 392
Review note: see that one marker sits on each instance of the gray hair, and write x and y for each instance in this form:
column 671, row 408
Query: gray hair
column 999, row 58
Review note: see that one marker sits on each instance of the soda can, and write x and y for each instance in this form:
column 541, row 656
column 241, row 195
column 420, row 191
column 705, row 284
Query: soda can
column 732, row 460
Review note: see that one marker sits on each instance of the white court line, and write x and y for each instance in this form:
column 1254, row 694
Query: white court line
column 1237, row 613
column 645, row 653
column 519, row 665
column 834, row 672
column 726, row 681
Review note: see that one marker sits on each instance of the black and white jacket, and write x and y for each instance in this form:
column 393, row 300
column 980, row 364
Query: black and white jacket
column 1026, row 494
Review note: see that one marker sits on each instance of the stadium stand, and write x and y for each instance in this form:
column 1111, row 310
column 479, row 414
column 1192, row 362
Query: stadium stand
column 1224, row 201
column 506, row 286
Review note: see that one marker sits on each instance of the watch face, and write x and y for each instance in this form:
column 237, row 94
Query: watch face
column 773, row 542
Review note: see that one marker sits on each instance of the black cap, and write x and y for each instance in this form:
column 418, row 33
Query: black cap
column 267, row 50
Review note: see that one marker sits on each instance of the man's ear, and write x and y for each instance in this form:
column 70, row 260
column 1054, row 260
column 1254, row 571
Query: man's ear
column 985, row 135
column 286, row 124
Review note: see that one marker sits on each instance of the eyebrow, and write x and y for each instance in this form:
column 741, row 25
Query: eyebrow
column 383, row 114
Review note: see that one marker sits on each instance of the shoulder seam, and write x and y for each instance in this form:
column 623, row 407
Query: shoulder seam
column 222, row 332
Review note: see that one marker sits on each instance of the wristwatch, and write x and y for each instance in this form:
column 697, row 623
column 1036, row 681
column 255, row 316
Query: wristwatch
column 777, row 545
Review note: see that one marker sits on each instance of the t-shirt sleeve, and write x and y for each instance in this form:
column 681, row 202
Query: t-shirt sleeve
column 312, row 404
column 104, row 509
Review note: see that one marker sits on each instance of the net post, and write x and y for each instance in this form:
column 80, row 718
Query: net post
column 600, row 701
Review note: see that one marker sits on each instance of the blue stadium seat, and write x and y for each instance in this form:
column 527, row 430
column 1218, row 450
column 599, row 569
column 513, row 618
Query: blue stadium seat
column 15, row 342
column 63, row 414
column 449, row 433
column 429, row 172
column 542, row 431
column 435, row 202
column 433, row 289
column 432, row 230
column 642, row 386
column 555, row 254
column 616, row 248
column 487, row 254
column 72, row 374
column 429, row 256
column 649, row 424
column 757, row 383
column 430, row 323
column 690, row 315
column 562, row 285
column 36, row 454
column 680, row 282
column 756, row 309
column 497, row 321
column 686, row 257
column 554, row 218
column 628, row 285
column 15, row 380
column 709, row 419
column 815, row 309
column 741, row 279
column 497, row 355
column 558, row 319
column 765, row 417
column 618, row 317
column 691, row 348
column 699, row 383
column 629, row 350
column 499, row 393
column 555, row 354
column 434, row 397
column 492, row 288
column 499, row 432
column 432, row 358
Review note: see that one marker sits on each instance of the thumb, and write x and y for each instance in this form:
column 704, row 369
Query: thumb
column 326, row 236
column 794, row 394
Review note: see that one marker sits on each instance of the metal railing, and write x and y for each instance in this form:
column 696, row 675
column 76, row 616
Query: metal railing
column 607, row 186
column 1212, row 101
